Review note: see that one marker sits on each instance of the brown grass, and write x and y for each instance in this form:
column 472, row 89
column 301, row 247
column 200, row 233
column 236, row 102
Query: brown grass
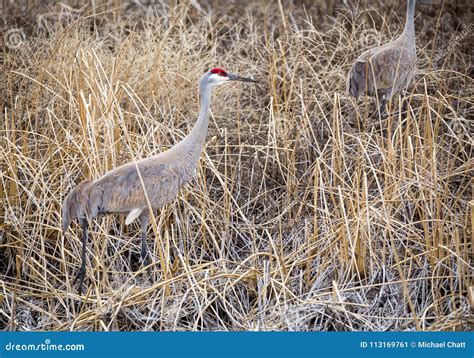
column 308, row 212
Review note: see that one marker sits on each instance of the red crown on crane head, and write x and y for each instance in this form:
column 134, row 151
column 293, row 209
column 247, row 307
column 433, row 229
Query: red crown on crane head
column 219, row 71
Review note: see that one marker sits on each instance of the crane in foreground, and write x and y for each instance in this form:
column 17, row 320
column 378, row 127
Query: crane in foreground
column 386, row 70
column 152, row 182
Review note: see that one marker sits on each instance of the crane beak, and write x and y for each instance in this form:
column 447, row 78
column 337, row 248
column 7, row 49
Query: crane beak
column 233, row 77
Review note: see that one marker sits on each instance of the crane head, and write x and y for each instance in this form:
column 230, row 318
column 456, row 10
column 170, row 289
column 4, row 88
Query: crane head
column 218, row 76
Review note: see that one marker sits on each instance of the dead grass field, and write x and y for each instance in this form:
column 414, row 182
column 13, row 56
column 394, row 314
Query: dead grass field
column 308, row 212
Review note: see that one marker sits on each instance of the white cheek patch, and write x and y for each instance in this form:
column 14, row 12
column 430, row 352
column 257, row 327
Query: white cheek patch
column 218, row 79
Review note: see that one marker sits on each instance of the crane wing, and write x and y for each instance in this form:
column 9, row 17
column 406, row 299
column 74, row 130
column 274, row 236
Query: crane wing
column 393, row 68
column 122, row 190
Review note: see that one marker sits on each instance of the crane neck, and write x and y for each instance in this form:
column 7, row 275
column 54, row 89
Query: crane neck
column 410, row 20
column 193, row 143
column 199, row 131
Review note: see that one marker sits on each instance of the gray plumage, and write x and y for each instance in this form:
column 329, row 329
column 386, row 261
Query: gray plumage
column 155, row 180
column 388, row 69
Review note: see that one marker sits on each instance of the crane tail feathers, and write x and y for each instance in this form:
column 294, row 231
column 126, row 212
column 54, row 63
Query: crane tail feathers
column 76, row 204
column 132, row 215
column 69, row 211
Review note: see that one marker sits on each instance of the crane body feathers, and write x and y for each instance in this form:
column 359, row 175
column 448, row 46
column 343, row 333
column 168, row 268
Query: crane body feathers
column 156, row 180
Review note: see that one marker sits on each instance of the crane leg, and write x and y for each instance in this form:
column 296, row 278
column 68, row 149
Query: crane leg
column 82, row 270
column 144, row 221
column 383, row 107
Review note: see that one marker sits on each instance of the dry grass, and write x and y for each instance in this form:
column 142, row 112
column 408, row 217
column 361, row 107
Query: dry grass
column 308, row 212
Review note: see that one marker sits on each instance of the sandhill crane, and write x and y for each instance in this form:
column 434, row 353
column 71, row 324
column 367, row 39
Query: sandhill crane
column 151, row 182
column 388, row 69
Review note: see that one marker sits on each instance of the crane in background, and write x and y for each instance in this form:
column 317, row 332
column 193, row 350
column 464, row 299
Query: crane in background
column 386, row 70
